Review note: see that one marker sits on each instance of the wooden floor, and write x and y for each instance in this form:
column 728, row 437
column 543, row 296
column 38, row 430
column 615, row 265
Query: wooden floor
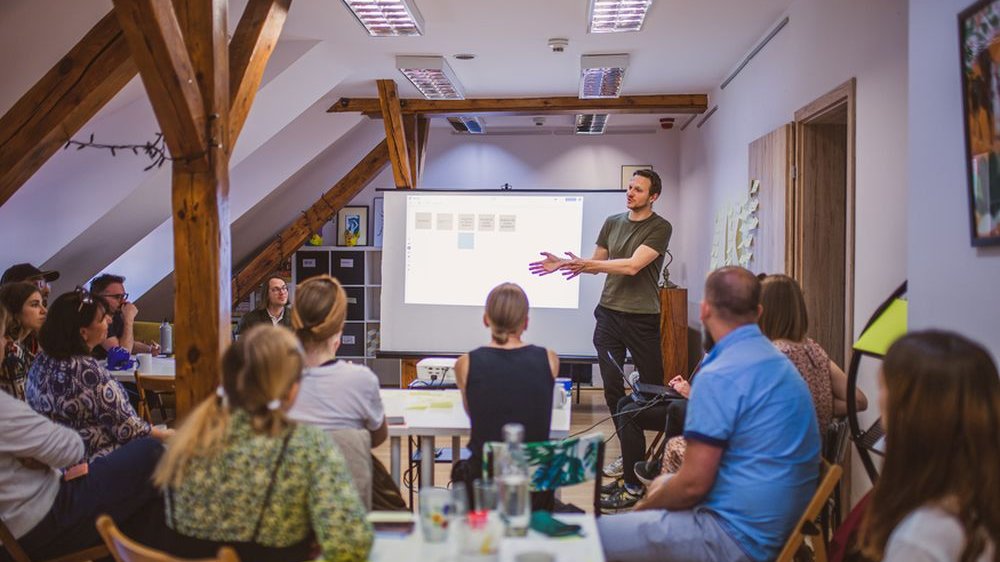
column 588, row 412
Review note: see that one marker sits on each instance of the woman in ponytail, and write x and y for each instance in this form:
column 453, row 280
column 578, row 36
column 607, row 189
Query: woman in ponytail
column 239, row 472
column 506, row 381
column 337, row 394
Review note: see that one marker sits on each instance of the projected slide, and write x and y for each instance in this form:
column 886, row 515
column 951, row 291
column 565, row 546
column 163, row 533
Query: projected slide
column 458, row 247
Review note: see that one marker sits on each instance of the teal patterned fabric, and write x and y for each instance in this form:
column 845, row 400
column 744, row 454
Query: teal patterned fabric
column 554, row 464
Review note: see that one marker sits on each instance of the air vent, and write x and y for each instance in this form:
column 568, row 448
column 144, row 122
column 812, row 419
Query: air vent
column 601, row 76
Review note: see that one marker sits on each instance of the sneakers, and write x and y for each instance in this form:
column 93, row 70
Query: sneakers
column 621, row 498
column 611, row 487
column 615, row 469
column 647, row 471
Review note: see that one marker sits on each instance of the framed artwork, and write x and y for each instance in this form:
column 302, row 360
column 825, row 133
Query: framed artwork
column 352, row 226
column 378, row 208
column 979, row 35
column 629, row 169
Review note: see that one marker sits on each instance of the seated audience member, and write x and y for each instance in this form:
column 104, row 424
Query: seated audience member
column 121, row 332
column 784, row 321
column 67, row 385
column 25, row 314
column 506, row 381
column 337, row 394
column 938, row 496
column 274, row 311
column 752, row 459
column 50, row 515
column 33, row 275
column 240, row 473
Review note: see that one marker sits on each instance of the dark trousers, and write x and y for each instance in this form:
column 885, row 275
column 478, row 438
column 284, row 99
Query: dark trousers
column 639, row 334
column 633, row 418
column 118, row 484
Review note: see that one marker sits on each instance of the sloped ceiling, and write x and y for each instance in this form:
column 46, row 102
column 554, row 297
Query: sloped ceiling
column 85, row 212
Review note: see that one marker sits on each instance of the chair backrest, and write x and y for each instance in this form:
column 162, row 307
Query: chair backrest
column 17, row 554
column 155, row 384
column 829, row 476
column 356, row 447
column 124, row 549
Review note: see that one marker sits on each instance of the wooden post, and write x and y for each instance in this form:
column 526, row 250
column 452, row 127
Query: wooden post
column 673, row 332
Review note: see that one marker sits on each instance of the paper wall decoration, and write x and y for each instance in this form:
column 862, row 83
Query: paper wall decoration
column 735, row 228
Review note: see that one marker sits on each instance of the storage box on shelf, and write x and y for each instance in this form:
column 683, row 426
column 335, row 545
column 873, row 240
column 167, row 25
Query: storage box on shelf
column 359, row 270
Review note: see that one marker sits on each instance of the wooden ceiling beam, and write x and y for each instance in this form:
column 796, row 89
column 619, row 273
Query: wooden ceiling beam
column 666, row 103
column 417, row 129
column 160, row 52
column 59, row 104
column 295, row 235
column 253, row 42
column 388, row 101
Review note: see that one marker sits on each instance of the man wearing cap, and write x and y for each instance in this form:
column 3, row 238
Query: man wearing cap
column 31, row 274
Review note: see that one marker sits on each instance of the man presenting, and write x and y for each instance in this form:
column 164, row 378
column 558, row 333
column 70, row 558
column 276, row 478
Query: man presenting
column 630, row 249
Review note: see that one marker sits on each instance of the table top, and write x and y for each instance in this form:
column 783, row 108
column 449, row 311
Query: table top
column 586, row 548
column 163, row 367
column 440, row 413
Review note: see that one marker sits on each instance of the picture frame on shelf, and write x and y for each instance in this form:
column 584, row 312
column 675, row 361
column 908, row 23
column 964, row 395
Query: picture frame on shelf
column 979, row 48
column 378, row 209
column 352, row 226
column 628, row 170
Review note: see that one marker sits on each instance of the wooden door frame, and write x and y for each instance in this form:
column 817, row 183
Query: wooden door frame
column 844, row 94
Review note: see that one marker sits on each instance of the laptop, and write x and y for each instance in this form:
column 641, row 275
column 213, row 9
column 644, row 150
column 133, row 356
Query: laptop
column 646, row 389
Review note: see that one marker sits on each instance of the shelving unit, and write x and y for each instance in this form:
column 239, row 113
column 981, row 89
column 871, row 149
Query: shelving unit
column 359, row 270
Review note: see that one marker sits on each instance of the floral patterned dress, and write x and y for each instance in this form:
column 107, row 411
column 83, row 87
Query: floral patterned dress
column 17, row 359
column 79, row 393
column 223, row 497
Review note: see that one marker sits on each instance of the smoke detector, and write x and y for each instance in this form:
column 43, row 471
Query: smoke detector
column 558, row 44
column 539, row 121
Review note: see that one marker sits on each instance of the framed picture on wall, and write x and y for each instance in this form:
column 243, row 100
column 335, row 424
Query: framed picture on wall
column 628, row 170
column 352, row 226
column 979, row 34
column 378, row 208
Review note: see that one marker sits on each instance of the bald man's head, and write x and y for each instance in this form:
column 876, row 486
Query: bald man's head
column 734, row 295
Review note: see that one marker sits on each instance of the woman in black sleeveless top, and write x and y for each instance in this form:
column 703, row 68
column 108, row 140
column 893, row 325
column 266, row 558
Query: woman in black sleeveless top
column 506, row 380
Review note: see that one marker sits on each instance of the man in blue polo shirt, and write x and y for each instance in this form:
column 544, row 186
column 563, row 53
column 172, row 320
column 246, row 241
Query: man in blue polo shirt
column 752, row 459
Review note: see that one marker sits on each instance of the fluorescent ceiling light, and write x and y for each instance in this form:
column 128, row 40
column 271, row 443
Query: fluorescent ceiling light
column 432, row 76
column 387, row 18
column 613, row 16
column 467, row 124
column 601, row 76
column 591, row 123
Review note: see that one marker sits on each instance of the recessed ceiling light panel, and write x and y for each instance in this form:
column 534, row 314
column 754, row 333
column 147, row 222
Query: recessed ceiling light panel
column 615, row 16
column 432, row 76
column 591, row 123
column 387, row 18
column 601, row 76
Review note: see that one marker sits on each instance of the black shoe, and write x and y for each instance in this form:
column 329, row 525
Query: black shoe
column 647, row 471
column 621, row 499
column 612, row 487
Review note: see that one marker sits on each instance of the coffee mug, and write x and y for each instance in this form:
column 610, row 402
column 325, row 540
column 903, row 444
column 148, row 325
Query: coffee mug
column 145, row 362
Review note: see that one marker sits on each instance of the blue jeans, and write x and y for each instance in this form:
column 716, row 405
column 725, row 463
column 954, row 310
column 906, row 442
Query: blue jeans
column 666, row 536
column 118, row 484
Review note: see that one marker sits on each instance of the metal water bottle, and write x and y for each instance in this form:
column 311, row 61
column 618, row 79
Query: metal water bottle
column 166, row 338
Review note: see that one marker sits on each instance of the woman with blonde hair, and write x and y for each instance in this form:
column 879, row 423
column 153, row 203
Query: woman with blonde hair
column 938, row 496
column 239, row 472
column 506, row 381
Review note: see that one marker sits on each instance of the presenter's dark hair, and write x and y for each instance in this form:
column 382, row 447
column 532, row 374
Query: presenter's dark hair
column 655, row 185
column 101, row 282
column 60, row 334
column 506, row 311
column 734, row 293
column 941, row 408
column 319, row 310
column 12, row 299
column 784, row 315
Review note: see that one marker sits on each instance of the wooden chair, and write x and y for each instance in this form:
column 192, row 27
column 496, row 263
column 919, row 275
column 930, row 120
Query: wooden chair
column 18, row 555
column 157, row 385
column 124, row 549
column 806, row 525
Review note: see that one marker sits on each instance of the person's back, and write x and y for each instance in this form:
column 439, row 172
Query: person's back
column 339, row 395
column 750, row 399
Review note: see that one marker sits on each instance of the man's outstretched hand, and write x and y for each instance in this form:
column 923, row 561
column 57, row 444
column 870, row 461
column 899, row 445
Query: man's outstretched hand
column 550, row 264
column 574, row 266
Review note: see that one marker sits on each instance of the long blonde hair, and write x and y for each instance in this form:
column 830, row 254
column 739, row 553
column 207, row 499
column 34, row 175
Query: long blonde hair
column 319, row 311
column 507, row 311
column 260, row 368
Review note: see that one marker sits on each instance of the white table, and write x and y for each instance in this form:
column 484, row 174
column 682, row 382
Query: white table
column 162, row 367
column 564, row 549
column 438, row 413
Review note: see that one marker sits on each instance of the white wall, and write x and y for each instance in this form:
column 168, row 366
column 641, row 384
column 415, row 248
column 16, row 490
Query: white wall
column 952, row 285
column 825, row 44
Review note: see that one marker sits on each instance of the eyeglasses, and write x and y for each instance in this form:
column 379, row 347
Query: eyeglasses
column 118, row 296
column 281, row 289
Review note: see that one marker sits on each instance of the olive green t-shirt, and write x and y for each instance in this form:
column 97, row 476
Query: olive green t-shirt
column 636, row 294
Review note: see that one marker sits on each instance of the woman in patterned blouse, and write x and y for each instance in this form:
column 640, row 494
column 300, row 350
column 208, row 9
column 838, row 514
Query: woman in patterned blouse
column 70, row 387
column 240, row 473
column 25, row 315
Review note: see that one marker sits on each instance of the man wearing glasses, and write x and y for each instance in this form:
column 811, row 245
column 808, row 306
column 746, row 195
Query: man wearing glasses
column 31, row 274
column 121, row 332
column 275, row 310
